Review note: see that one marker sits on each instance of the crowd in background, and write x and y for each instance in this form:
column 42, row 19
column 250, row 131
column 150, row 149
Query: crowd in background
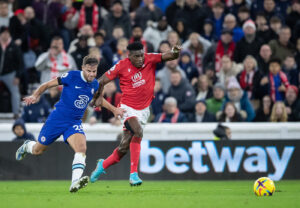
column 239, row 62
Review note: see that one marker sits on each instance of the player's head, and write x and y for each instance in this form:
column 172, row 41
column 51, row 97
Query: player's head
column 89, row 67
column 136, row 54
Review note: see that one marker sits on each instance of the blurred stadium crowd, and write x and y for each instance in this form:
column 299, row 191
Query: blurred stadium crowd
column 240, row 59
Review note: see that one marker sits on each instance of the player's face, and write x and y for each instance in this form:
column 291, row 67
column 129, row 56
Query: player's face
column 137, row 58
column 89, row 72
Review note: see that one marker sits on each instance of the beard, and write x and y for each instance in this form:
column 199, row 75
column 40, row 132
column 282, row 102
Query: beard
column 137, row 38
column 250, row 37
column 235, row 98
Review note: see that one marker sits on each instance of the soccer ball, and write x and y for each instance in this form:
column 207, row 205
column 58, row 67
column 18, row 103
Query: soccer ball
column 264, row 187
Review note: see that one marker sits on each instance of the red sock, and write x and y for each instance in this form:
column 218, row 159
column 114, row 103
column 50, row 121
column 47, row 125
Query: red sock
column 114, row 158
column 135, row 149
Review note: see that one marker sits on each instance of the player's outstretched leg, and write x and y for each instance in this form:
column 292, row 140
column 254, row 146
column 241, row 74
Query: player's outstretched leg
column 78, row 143
column 135, row 149
column 98, row 171
column 26, row 148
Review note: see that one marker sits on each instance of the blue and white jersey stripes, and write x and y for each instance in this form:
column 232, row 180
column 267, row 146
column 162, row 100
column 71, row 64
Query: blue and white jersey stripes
column 76, row 94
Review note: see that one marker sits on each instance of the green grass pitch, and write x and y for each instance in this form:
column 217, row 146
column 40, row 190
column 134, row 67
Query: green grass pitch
column 152, row 194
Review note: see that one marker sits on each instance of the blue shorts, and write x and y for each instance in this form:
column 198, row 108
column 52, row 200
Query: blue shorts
column 55, row 126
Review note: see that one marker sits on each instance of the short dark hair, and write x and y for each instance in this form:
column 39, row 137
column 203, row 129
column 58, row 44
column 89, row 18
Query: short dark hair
column 135, row 46
column 57, row 37
column 99, row 34
column 275, row 19
column 275, row 60
column 90, row 60
column 243, row 9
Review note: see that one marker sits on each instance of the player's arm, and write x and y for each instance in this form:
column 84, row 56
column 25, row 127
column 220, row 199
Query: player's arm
column 118, row 112
column 40, row 90
column 97, row 99
column 172, row 54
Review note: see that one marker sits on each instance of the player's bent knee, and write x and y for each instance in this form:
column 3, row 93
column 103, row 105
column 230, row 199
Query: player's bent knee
column 81, row 148
column 139, row 133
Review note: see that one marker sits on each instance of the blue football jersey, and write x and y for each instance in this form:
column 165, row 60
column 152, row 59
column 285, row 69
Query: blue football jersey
column 76, row 95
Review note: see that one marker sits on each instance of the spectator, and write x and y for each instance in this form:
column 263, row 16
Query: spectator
column 53, row 97
column 85, row 30
column 249, row 45
column 37, row 112
column 137, row 35
column 17, row 26
column 215, row 53
column 36, row 37
column 237, row 4
column 201, row 113
column 90, row 14
column 214, row 104
column 263, row 113
column 229, row 69
column 113, row 97
column 218, row 18
column 240, row 99
column 155, row 33
column 250, row 77
column 172, row 10
column 119, row 17
column 243, row 15
column 275, row 26
column 121, row 50
column 20, row 131
column 105, row 50
column 81, row 51
column 10, row 67
column 147, row 12
column 297, row 57
column 158, row 100
column 271, row 10
column 187, row 65
column 282, row 47
column 278, row 113
column 290, row 68
column 230, row 23
column 230, row 114
column 194, row 15
column 181, row 29
column 222, row 132
column 165, row 74
column 292, row 103
column 293, row 18
column 171, row 113
column 276, row 83
column 4, row 13
column 164, row 46
column 173, row 38
column 197, row 46
column 208, row 31
column 263, row 59
column 118, row 32
column 262, row 30
column 103, row 65
column 55, row 61
column 203, row 90
column 183, row 92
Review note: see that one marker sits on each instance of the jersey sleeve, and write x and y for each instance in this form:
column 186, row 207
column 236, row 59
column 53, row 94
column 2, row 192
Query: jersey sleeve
column 154, row 57
column 114, row 71
column 65, row 79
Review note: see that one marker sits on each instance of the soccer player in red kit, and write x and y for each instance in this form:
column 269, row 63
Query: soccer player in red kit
column 137, row 78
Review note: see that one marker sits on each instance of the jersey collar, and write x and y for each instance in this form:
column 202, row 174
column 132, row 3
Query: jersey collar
column 82, row 77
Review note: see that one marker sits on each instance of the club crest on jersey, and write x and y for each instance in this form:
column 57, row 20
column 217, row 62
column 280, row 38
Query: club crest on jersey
column 137, row 80
column 82, row 101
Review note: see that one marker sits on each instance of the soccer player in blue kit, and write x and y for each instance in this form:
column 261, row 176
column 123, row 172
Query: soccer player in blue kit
column 78, row 91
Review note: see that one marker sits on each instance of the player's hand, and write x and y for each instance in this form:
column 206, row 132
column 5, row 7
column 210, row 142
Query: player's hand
column 282, row 88
column 30, row 100
column 119, row 112
column 97, row 100
column 176, row 49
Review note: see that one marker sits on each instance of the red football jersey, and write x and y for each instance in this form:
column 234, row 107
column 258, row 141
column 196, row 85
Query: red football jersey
column 137, row 85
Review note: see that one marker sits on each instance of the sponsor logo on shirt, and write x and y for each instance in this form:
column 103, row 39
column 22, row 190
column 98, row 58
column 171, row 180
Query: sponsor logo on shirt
column 137, row 80
column 82, row 101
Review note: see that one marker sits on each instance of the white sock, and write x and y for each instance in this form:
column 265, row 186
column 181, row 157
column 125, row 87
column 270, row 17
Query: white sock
column 29, row 146
column 78, row 165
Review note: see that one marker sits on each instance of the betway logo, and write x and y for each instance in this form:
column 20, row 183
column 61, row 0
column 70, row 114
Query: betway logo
column 177, row 159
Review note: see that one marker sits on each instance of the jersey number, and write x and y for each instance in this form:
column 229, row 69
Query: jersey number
column 78, row 127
